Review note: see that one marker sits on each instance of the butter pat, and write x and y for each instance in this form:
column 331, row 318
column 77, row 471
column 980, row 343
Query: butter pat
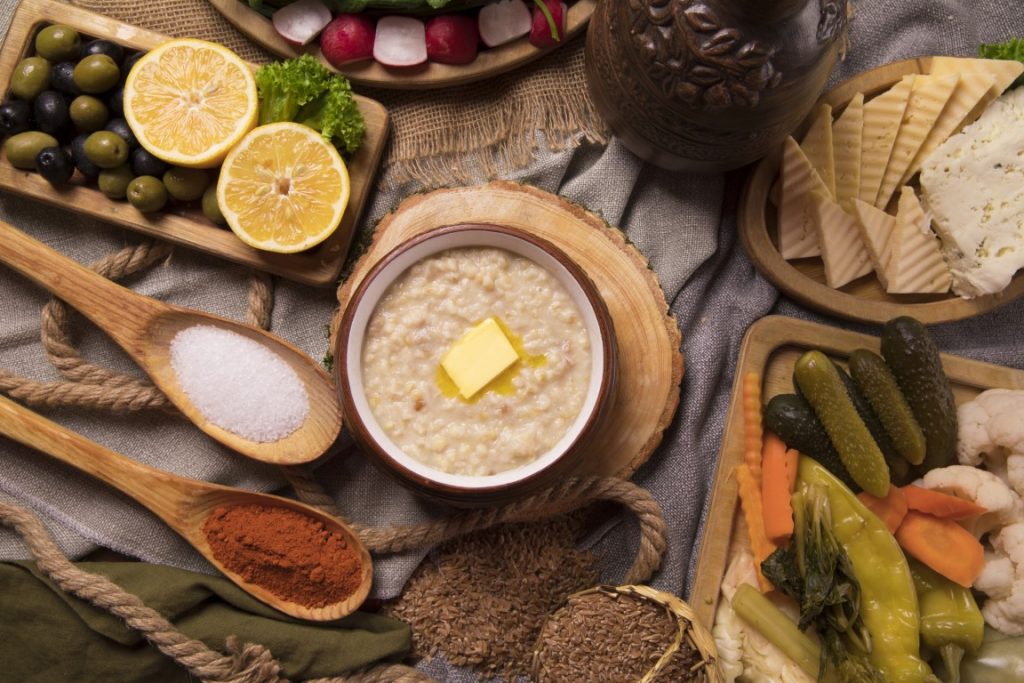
column 478, row 357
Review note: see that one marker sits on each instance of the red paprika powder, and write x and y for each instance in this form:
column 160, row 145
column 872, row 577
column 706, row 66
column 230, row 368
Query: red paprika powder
column 292, row 555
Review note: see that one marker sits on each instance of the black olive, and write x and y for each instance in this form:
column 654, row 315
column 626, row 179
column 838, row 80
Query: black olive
column 51, row 112
column 54, row 165
column 130, row 62
column 82, row 162
column 115, row 101
column 104, row 47
column 15, row 117
column 62, row 79
column 120, row 128
column 144, row 163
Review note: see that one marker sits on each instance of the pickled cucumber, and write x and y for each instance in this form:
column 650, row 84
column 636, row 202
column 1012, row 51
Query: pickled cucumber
column 883, row 393
column 793, row 420
column 821, row 384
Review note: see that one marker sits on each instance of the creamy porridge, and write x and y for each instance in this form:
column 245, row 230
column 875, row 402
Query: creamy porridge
column 518, row 416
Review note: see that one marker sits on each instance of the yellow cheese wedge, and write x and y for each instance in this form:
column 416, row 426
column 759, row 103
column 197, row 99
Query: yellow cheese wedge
column 916, row 265
column 876, row 228
column 817, row 145
column 1004, row 71
column 798, row 237
column 846, row 139
column 882, row 118
column 842, row 249
column 928, row 97
column 478, row 357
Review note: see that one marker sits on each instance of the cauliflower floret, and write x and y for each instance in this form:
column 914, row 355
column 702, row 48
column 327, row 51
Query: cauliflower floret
column 1004, row 609
column 992, row 429
column 982, row 487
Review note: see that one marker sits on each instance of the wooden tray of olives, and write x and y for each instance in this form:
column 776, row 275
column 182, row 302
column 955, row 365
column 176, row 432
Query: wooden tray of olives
column 180, row 223
column 771, row 347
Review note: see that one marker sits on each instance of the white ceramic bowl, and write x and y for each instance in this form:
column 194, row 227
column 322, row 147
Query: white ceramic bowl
column 513, row 483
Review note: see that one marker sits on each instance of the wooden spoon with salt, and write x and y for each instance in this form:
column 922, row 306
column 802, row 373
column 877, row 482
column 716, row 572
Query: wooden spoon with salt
column 183, row 504
column 145, row 328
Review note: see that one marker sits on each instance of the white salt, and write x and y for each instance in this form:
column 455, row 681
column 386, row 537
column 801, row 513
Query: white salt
column 239, row 384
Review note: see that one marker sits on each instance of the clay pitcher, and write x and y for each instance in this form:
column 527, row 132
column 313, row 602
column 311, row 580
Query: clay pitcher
column 710, row 85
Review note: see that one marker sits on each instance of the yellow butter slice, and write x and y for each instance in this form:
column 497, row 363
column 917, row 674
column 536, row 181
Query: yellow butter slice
column 882, row 118
column 479, row 356
column 797, row 235
column 916, row 265
column 928, row 98
column 817, row 145
column 876, row 228
column 847, row 132
column 842, row 249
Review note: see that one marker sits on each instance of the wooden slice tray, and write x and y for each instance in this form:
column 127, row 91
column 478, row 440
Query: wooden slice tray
column 650, row 359
column 489, row 62
column 319, row 266
column 804, row 279
column 771, row 347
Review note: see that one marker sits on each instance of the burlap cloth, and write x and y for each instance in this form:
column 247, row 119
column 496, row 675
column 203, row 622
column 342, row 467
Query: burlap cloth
column 684, row 224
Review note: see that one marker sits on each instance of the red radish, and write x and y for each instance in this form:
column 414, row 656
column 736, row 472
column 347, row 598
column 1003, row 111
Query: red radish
column 299, row 22
column 452, row 39
column 348, row 38
column 400, row 41
column 540, row 30
column 503, row 21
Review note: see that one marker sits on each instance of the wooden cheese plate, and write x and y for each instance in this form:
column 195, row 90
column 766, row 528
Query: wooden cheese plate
column 771, row 347
column 319, row 266
column 650, row 358
column 489, row 62
column 804, row 279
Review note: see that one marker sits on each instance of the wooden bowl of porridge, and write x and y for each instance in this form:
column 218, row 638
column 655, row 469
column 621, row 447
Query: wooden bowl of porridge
column 523, row 303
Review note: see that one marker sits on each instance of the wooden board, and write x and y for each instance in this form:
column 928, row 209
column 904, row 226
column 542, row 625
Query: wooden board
column 489, row 61
column 319, row 266
column 650, row 359
column 804, row 279
column 771, row 347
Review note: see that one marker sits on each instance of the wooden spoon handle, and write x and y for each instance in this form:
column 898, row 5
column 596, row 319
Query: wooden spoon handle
column 121, row 313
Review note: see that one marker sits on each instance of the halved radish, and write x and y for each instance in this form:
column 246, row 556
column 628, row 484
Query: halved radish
column 540, row 29
column 452, row 39
column 400, row 41
column 348, row 38
column 299, row 22
column 503, row 21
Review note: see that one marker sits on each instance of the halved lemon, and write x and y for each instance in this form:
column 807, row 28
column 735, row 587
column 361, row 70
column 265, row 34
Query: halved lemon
column 190, row 101
column 283, row 188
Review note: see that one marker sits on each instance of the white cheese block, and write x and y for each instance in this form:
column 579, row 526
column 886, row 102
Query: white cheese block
column 927, row 100
column 842, row 249
column 974, row 186
column 817, row 145
column 846, row 141
column 798, row 237
column 916, row 265
column 882, row 117
column 876, row 229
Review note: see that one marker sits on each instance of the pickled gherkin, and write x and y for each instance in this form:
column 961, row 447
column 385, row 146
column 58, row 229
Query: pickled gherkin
column 877, row 383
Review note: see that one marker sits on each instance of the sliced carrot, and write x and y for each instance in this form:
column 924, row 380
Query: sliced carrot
column 943, row 545
column 941, row 504
column 753, row 513
column 776, row 488
column 891, row 509
column 752, row 430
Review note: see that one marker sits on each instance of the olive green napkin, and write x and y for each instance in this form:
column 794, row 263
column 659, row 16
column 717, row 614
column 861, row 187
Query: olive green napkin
column 47, row 635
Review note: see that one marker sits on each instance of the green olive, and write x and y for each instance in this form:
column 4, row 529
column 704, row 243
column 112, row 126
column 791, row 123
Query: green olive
column 113, row 182
column 106, row 149
column 96, row 74
column 186, row 184
column 88, row 113
column 21, row 149
column 211, row 209
column 31, row 76
column 147, row 194
column 58, row 43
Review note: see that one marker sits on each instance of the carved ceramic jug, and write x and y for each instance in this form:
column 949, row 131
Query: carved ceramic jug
column 710, row 85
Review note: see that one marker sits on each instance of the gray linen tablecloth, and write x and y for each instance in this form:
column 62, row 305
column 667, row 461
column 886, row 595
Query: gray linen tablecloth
column 684, row 224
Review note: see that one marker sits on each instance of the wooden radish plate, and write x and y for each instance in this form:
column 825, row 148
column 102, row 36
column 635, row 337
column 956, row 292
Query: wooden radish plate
column 771, row 347
column 804, row 279
column 489, row 62
column 319, row 266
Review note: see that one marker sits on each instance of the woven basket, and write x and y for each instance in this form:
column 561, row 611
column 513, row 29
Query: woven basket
column 689, row 631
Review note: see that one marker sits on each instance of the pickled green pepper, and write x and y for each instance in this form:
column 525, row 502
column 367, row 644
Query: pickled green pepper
column 951, row 623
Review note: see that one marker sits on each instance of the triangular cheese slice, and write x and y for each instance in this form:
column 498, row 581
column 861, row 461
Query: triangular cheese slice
column 798, row 237
column 846, row 140
column 916, row 265
column 817, row 145
column 842, row 249
column 1005, row 72
column 882, row 117
column 876, row 228
column 927, row 100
